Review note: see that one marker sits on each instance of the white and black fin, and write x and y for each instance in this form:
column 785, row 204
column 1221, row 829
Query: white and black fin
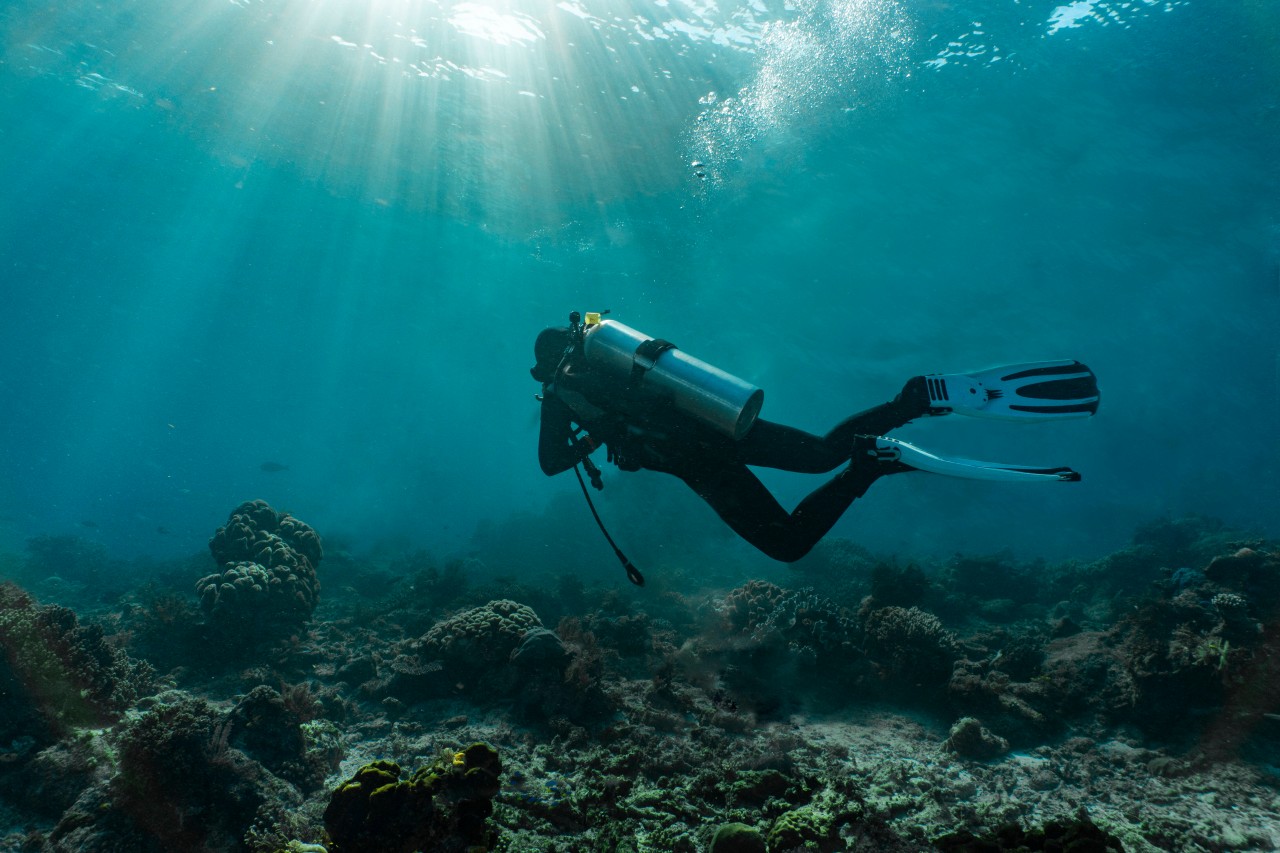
column 891, row 450
column 1043, row 390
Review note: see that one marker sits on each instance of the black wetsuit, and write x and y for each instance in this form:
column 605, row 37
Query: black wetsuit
column 644, row 433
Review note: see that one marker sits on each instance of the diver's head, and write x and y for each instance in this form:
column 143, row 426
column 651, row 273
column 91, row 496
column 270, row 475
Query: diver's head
column 548, row 352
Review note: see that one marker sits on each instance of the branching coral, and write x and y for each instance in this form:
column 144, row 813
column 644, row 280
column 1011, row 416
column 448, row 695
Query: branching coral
column 774, row 644
column 910, row 645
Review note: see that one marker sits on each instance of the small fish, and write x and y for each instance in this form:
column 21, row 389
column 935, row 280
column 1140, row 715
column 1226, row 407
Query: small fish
column 163, row 531
column 88, row 523
column 273, row 467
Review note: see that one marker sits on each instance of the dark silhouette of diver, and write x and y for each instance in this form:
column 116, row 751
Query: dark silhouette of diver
column 654, row 408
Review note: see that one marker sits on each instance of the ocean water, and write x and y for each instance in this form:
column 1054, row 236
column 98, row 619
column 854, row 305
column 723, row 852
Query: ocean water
column 325, row 235
column 299, row 250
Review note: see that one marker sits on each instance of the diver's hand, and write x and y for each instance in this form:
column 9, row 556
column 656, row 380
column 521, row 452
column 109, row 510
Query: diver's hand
column 594, row 473
column 624, row 456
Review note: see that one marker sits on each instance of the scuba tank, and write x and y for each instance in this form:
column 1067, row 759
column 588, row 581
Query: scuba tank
column 721, row 401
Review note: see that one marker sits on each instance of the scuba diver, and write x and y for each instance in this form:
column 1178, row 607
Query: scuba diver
column 655, row 408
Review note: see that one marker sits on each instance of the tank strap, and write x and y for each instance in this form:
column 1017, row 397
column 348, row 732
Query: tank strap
column 646, row 356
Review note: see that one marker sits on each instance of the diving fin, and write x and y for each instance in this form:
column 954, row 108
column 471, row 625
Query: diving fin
column 1042, row 390
column 891, row 450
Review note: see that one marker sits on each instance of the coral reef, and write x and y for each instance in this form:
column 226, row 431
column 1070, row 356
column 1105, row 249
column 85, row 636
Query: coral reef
column 174, row 780
column 476, row 647
column 443, row 807
column 271, row 727
column 775, row 645
column 481, row 637
column 911, row 647
column 890, row 709
column 267, row 581
column 57, row 673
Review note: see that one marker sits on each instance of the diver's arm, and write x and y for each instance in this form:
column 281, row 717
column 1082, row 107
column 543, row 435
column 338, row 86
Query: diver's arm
column 558, row 449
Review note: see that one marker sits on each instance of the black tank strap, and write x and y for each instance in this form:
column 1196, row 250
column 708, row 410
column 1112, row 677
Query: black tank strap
column 646, row 357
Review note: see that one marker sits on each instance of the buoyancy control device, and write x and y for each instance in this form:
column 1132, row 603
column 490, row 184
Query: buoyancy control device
column 721, row 401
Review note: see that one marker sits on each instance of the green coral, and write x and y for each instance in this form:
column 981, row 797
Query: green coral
column 442, row 807
column 737, row 838
column 802, row 829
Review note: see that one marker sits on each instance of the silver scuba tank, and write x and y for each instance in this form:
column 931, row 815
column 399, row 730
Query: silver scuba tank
column 721, row 401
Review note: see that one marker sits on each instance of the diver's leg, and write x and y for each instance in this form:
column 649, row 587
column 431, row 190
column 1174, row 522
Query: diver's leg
column 743, row 502
column 911, row 403
column 771, row 445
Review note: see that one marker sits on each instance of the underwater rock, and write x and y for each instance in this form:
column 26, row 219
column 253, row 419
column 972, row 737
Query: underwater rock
column 52, row 781
column 443, row 807
column 1084, row 673
column 737, row 838
column 969, row 738
column 1021, row 710
column 267, row 584
column 1078, row 836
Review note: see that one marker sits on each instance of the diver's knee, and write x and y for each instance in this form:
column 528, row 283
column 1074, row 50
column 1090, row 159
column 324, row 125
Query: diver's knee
column 788, row 552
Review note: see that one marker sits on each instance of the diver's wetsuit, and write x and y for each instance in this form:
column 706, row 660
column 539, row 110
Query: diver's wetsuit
column 643, row 433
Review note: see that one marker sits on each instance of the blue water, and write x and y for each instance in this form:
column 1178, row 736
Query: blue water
column 325, row 234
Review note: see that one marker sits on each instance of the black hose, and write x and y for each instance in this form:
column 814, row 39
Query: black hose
column 633, row 574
